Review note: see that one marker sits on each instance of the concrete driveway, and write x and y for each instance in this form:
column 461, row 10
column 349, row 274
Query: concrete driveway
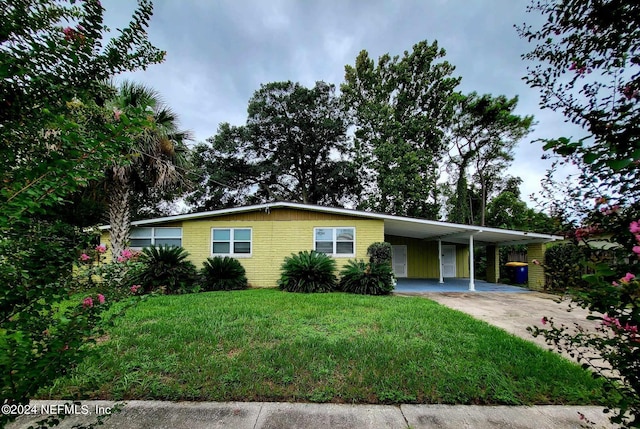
column 513, row 312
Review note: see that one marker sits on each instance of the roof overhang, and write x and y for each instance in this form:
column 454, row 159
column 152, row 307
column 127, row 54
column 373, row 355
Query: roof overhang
column 393, row 225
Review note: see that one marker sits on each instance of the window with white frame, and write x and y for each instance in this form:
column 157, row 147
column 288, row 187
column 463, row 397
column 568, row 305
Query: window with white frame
column 231, row 241
column 155, row 236
column 335, row 241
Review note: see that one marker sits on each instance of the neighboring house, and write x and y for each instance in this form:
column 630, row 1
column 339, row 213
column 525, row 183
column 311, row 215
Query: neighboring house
column 261, row 236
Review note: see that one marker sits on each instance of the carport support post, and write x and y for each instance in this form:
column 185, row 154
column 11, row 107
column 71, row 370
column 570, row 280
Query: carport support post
column 472, row 285
column 440, row 261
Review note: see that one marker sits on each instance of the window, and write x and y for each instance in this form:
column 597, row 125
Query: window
column 145, row 237
column 335, row 241
column 231, row 241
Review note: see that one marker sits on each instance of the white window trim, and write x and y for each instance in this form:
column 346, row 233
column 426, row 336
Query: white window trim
column 153, row 235
column 231, row 241
column 335, row 242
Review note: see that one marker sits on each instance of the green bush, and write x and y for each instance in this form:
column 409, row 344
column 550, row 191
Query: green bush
column 223, row 273
column 166, row 268
column 380, row 253
column 367, row 278
column 308, row 272
column 564, row 267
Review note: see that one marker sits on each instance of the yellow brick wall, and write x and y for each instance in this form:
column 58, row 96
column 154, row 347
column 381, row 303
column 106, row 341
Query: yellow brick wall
column 422, row 257
column 272, row 241
column 462, row 260
column 493, row 264
column 536, row 272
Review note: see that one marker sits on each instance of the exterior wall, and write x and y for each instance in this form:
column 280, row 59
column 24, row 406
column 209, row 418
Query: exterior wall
column 462, row 260
column 422, row 257
column 536, row 272
column 273, row 240
column 275, row 235
column 493, row 264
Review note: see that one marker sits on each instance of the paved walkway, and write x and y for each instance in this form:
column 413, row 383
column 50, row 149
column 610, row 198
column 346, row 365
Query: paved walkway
column 278, row 415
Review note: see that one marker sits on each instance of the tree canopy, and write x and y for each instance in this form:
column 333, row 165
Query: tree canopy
column 483, row 133
column 293, row 147
column 401, row 107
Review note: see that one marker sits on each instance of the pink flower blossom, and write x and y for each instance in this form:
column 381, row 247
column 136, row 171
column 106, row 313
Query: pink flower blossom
column 126, row 253
column 68, row 33
column 631, row 328
column 101, row 248
column 573, row 66
column 636, row 250
column 627, row 278
column 611, row 321
column 87, row 302
column 637, row 238
column 117, row 113
column 544, row 320
column 84, row 257
column 134, row 288
column 120, row 259
column 615, row 283
column 634, row 227
column 101, row 298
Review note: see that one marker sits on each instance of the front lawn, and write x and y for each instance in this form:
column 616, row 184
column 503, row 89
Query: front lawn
column 268, row 345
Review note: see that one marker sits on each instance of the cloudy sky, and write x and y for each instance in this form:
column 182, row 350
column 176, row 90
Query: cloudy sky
column 220, row 51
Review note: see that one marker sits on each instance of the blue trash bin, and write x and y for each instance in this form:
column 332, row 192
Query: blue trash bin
column 518, row 272
column 522, row 275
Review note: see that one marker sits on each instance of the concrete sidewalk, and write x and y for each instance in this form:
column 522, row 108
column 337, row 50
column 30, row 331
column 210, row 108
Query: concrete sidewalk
column 276, row 415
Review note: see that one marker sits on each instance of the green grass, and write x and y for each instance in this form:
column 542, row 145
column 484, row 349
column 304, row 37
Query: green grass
column 268, row 345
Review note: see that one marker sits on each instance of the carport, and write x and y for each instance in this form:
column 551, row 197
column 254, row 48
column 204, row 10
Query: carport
column 426, row 239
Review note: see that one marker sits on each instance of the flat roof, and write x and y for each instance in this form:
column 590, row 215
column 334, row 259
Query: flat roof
column 393, row 225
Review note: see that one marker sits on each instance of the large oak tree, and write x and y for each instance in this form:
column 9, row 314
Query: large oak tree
column 293, row 147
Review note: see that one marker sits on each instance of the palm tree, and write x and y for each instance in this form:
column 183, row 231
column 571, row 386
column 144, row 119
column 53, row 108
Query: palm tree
column 156, row 162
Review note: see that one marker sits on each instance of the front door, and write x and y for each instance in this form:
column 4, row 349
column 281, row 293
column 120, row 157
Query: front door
column 448, row 260
column 399, row 260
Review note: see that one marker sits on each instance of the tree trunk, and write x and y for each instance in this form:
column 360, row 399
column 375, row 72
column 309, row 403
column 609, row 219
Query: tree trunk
column 119, row 215
column 483, row 202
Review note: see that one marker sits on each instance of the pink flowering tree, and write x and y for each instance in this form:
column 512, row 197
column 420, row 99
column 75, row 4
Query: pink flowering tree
column 112, row 278
column 612, row 351
column 57, row 135
column 586, row 64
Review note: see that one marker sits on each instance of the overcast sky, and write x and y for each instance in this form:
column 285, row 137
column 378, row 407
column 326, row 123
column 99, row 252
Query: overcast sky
column 220, row 51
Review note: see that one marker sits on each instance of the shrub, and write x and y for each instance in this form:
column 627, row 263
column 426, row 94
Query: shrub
column 112, row 279
column 223, row 273
column 367, row 278
column 380, row 253
column 166, row 268
column 308, row 272
column 564, row 267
